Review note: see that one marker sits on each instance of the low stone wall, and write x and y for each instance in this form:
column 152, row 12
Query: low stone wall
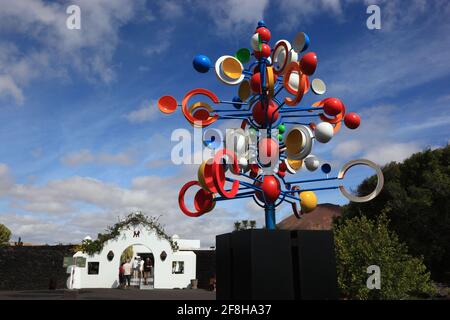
column 34, row 267
column 41, row 267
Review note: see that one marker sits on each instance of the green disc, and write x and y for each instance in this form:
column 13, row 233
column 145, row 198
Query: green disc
column 280, row 137
column 281, row 128
column 243, row 55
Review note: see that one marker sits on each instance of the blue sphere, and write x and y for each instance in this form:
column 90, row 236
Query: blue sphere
column 237, row 105
column 261, row 23
column 201, row 63
column 326, row 168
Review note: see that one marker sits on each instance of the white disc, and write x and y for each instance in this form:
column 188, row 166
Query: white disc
column 254, row 42
column 222, row 76
column 318, row 86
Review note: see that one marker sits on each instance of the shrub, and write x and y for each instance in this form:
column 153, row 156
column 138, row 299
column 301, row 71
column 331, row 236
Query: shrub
column 5, row 235
column 361, row 242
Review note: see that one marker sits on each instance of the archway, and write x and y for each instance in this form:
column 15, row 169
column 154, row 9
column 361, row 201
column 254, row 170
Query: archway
column 138, row 265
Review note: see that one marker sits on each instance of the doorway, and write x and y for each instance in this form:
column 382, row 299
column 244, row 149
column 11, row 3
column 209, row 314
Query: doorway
column 133, row 260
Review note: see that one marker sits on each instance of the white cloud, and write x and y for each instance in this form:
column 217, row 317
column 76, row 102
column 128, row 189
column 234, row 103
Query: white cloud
column 391, row 152
column 229, row 15
column 85, row 156
column 54, row 50
column 148, row 111
column 60, row 214
column 347, row 148
column 8, row 88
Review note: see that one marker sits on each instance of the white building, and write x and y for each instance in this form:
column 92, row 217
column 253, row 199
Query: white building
column 173, row 267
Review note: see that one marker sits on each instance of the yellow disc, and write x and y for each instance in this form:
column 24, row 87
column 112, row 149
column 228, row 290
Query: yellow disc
column 294, row 141
column 232, row 68
column 244, row 90
column 201, row 175
column 270, row 81
column 308, row 201
column 295, row 164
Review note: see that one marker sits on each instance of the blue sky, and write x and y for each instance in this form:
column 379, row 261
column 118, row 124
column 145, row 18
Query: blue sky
column 83, row 142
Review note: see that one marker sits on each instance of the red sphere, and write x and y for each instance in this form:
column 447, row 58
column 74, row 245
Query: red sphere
column 264, row 34
column 332, row 106
column 270, row 189
column 352, row 120
column 265, row 51
column 255, row 83
column 264, row 115
column 308, row 63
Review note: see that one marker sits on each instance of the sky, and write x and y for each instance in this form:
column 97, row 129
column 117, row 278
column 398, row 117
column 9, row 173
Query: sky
column 83, row 143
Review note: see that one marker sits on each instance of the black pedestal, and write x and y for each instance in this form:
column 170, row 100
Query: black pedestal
column 275, row 264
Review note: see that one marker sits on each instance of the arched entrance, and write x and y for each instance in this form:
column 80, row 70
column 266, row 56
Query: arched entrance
column 138, row 260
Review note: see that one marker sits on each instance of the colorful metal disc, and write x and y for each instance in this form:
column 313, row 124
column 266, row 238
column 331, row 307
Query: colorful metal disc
column 243, row 55
column 167, row 104
column 227, row 73
column 245, row 90
column 318, row 86
column 301, row 42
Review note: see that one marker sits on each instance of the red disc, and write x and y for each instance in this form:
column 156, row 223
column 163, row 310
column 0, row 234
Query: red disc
column 308, row 63
column 270, row 189
column 265, row 114
column 219, row 174
column 352, row 120
column 200, row 210
column 264, row 34
column 201, row 114
column 203, row 201
column 332, row 106
column 167, row 104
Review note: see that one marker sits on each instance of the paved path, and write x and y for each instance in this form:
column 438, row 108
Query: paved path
column 109, row 294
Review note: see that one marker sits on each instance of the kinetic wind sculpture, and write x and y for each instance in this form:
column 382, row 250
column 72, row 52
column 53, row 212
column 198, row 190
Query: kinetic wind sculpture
column 265, row 118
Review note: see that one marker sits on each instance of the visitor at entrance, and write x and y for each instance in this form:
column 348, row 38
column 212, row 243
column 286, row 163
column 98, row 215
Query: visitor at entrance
column 147, row 270
column 121, row 275
column 127, row 271
column 141, row 268
column 135, row 268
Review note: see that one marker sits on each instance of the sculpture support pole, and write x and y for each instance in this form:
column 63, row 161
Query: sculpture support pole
column 270, row 216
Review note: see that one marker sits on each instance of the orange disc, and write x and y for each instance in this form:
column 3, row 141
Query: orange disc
column 167, row 104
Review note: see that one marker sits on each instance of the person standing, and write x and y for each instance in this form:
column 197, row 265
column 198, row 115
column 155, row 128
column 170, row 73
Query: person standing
column 121, row 276
column 127, row 272
column 135, row 267
column 141, row 269
column 147, row 270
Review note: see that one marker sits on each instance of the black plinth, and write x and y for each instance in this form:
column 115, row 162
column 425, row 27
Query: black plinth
column 275, row 264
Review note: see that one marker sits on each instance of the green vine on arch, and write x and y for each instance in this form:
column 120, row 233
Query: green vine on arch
column 132, row 220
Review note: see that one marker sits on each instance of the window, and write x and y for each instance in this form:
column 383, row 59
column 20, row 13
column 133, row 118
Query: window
column 93, row 267
column 110, row 255
column 177, row 267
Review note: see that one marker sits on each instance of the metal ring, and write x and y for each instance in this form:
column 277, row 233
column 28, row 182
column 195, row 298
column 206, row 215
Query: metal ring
column 373, row 194
column 305, row 147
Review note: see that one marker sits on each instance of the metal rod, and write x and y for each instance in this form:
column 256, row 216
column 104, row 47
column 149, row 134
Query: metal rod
column 311, row 180
column 270, row 216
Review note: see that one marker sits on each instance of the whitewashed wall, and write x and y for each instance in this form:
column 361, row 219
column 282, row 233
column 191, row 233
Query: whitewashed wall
column 108, row 276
